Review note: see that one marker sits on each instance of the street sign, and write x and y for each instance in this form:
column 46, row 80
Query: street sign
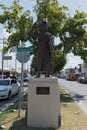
column 23, row 56
column 7, row 57
column 24, row 49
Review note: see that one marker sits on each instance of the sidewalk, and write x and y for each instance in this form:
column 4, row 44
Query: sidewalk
column 82, row 105
column 80, row 102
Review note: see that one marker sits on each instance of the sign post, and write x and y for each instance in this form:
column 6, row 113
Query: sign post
column 23, row 55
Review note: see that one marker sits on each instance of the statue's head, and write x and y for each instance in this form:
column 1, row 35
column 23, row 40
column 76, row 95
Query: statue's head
column 43, row 25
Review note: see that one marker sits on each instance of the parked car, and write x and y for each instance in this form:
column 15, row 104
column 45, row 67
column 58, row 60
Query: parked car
column 26, row 82
column 79, row 79
column 82, row 80
column 8, row 88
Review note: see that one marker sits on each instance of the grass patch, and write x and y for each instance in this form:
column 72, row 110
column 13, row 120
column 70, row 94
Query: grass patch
column 72, row 117
column 64, row 97
column 8, row 115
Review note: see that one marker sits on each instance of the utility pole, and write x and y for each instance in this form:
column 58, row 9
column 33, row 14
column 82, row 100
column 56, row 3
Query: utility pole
column 21, row 85
column 2, row 56
column 2, row 59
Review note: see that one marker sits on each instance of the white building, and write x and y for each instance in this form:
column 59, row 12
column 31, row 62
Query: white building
column 83, row 69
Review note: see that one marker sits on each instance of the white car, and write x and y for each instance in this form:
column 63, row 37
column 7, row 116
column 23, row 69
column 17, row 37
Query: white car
column 25, row 82
column 8, row 88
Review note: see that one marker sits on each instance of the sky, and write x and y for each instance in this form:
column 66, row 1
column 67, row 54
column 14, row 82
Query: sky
column 73, row 5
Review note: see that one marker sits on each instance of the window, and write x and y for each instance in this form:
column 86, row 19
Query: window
column 4, row 82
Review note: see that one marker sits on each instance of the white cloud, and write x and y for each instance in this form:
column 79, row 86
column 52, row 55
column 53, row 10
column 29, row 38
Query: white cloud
column 73, row 61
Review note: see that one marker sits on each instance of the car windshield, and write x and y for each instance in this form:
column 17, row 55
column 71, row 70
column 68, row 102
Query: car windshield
column 4, row 82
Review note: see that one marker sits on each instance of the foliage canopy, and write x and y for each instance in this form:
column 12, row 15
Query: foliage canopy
column 72, row 31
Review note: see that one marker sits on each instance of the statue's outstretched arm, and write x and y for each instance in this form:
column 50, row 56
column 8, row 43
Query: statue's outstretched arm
column 33, row 32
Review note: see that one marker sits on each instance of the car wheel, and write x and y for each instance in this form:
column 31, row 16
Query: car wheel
column 9, row 95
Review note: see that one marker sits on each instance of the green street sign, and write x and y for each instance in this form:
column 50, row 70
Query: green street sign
column 24, row 49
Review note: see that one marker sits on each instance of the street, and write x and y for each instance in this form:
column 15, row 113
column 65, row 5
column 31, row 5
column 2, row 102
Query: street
column 6, row 103
column 77, row 91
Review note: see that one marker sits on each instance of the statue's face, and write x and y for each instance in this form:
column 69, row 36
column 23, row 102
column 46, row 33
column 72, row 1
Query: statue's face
column 43, row 26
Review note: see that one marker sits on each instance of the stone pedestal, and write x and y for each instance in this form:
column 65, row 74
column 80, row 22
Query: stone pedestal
column 43, row 108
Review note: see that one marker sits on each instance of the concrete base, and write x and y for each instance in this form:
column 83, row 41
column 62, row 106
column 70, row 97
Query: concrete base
column 43, row 108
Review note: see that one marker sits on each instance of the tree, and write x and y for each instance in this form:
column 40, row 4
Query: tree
column 17, row 24
column 72, row 31
column 60, row 60
column 34, row 68
column 56, row 16
column 74, row 35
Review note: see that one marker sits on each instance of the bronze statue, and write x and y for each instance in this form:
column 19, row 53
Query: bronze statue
column 45, row 40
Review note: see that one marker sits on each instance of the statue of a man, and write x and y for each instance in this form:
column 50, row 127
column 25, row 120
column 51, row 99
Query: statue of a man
column 45, row 40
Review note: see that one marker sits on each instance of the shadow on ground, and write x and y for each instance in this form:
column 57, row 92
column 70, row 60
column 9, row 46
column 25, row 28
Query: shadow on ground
column 78, row 97
column 64, row 98
column 21, row 125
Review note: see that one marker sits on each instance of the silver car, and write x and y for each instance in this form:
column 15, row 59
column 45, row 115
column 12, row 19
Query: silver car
column 8, row 88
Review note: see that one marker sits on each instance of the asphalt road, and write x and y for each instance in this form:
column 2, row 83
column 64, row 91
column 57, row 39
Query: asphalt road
column 6, row 103
column 77, row 91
